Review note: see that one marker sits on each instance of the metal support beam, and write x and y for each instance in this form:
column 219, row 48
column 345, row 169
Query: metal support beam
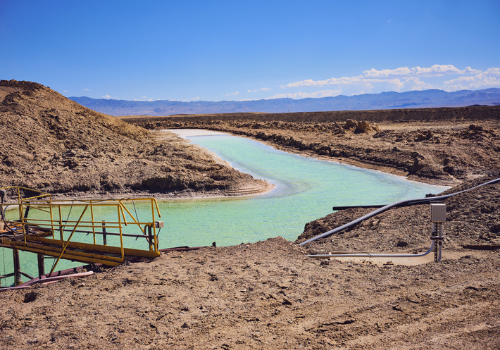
column 104, row 241
column 17, row 267
column 41, row 264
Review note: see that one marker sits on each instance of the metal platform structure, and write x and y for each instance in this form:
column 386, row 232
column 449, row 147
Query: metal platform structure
column 88, row 239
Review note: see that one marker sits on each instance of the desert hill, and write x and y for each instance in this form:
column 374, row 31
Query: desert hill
column 54, row 144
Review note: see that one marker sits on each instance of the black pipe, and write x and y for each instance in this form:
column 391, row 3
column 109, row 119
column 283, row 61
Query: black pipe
column 400, row 205
column 179, row 249
column 343, row 207
column 394, row 205
column 41, row 264
column 17, row 267
column 104, row 242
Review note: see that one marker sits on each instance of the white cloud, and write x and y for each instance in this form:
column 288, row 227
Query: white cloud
column 316, row 94
column 405, row 79
column 478, row 81
column 258, row 90
column 233, row 93
column 143, row 98
column 192, row 99
column 86, row 89
column 415, row 84
column 331, row 81
column 106, row 97
column 435, row 70
column 492, row 71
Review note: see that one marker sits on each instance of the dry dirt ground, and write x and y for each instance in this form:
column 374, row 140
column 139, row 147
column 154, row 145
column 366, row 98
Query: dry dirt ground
column 270, row 295
column 55, row 145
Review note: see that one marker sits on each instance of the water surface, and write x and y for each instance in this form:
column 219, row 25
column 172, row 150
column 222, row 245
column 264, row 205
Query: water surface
column 306, row 189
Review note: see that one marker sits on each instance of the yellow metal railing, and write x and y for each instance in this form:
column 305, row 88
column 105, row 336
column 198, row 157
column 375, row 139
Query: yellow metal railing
column 51, row 229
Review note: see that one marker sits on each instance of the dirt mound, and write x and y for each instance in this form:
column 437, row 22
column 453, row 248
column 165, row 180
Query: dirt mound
column 266, row 295
column 472, row 220
column 53, row 144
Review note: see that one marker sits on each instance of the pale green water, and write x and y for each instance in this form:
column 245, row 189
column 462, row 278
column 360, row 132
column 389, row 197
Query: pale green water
column 306, row 189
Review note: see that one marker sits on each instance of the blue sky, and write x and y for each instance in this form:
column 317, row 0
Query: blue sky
column 240, row 50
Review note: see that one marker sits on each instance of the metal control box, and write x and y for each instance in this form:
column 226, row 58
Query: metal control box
column 438, row 212
column 159, row 224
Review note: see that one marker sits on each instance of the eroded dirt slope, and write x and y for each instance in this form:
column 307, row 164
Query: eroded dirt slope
column 269, row 295
column 53, row 144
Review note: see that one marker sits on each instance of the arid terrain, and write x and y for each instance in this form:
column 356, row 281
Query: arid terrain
column 437, row 145
column 270, row 295
column 55, row 145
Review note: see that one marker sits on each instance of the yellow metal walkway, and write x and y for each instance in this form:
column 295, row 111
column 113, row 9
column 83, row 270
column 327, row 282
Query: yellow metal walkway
column 50, row 232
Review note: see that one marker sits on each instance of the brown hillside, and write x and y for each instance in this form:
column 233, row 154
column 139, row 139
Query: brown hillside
column 54, row 144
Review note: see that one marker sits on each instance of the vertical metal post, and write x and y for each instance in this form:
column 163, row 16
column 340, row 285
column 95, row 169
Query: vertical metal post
column 20, row 206
column 17, row 268
column 92, row 218
column 434, row 237
column 41, row 264
column 25, row 225
column 61, row 229
column 104, row 242
column 150, row 235
column 120, row 228
column 51, row 218
column 150, row 232
column 439, row 241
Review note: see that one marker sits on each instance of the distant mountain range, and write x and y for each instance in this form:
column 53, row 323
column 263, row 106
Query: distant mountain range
column 385, row 100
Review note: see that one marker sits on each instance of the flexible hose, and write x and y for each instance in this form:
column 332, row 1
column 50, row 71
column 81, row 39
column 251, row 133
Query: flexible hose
column 370, row 255
column 47, row 280
column 392, row 205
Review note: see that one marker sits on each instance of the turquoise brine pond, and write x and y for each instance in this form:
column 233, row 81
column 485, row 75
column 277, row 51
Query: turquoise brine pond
column 305, row 190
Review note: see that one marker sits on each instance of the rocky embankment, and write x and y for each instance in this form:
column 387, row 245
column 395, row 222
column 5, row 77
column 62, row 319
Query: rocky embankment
column 472, row 221
column 433, row 150
column 55, row 145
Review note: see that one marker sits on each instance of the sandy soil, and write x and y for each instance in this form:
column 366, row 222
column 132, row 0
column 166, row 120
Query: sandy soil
column 266, row 295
